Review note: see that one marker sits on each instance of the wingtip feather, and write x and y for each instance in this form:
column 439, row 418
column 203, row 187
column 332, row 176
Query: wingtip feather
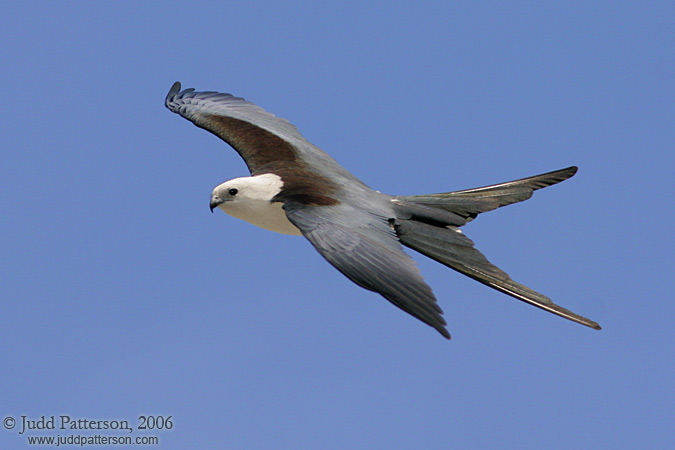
column 444, row 333
column 175, row 89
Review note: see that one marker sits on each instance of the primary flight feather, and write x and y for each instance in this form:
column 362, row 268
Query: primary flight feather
column 296, row 188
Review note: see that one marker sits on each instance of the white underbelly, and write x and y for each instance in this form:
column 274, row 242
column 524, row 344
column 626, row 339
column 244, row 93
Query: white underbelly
column 263, row 214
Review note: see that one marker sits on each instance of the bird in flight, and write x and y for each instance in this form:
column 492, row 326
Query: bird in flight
column 296, row 188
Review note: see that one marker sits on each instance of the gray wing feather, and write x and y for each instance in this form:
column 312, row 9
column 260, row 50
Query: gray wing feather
column 262, row 139
column 196, row 106
column 365, row 249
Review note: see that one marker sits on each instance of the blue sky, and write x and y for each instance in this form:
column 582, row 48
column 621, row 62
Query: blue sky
column 122, row 295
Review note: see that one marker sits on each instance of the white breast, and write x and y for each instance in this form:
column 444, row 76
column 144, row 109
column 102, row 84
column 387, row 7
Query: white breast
column 263, row 214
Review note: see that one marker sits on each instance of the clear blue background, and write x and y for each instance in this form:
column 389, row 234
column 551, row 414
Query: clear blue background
column 122, row 295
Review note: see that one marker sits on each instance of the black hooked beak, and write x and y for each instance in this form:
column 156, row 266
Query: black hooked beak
column 215, row 201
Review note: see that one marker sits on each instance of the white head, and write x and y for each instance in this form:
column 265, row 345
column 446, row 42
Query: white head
column 259, row 188
column 250, row 199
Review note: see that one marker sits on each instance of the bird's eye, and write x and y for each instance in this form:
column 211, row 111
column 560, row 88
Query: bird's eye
column 233, row 191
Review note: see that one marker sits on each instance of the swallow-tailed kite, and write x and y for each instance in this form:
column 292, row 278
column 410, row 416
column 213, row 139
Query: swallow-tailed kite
column 296, row 188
